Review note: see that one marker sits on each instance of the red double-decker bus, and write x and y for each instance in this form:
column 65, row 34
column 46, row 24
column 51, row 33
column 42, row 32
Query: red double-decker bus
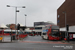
column 51, row 32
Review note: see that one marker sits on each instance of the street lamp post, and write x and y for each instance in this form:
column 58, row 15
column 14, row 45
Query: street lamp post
column 16, row 14
column 25, row 19
column 65, row 25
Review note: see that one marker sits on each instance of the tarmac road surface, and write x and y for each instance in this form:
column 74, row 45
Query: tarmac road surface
column 36, row 43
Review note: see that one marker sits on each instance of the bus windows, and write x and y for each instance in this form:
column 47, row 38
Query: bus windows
column 56, row 34
column 38, row 27
column 47, row 27
column 44, row 33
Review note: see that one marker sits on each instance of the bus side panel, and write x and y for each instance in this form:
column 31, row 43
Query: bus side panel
column 49, row 32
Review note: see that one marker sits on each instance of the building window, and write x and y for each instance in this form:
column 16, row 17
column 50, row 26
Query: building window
column 58, row 16
column 58, row 21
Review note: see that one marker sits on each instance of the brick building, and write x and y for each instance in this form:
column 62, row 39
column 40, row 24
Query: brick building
column 68, row 9
column 66, row 16
column 12, row 26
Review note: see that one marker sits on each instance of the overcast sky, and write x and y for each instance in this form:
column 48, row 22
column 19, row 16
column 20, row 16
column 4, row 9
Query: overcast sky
column 36, row 10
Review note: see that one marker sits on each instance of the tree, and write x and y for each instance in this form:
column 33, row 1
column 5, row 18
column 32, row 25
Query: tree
column 8, row 25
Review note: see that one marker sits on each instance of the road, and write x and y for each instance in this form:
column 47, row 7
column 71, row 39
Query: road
column 36, row 43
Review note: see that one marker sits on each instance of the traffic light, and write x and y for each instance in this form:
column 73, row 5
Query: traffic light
column 67, row 27
column 18, row 26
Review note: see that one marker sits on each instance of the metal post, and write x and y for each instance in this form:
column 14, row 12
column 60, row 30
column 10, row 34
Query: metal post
column 16, row 20
column 65, row 24
column 11, row 35
column 66, row 32
column 25, row 20
column 16, row 16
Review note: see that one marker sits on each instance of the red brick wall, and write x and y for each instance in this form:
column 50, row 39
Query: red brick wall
column 69, row 7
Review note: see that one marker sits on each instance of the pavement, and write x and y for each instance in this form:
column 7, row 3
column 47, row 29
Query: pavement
column 13, row 41
column 69, row 42
column 36, row 43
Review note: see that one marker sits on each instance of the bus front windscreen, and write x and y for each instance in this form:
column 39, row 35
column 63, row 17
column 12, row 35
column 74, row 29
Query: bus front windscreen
column 55, row 31
column 55, row 34
column 55, row 27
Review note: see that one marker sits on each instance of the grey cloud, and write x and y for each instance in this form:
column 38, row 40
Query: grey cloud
column 36, row 10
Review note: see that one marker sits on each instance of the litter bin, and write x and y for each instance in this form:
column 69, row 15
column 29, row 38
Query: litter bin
column 1, row 37
column 13, row 37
